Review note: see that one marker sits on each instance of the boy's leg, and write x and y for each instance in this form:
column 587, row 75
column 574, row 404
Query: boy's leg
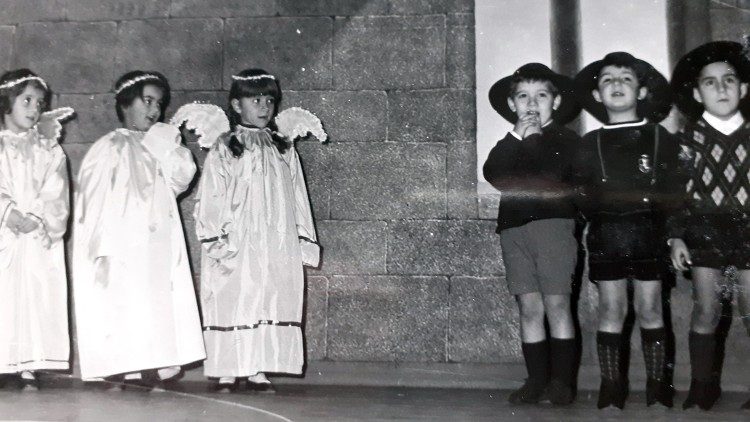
column 743, row 300
column 612, row 311
column 562, row 348
column 701, row 341
column 648, row 308
column 535, row 348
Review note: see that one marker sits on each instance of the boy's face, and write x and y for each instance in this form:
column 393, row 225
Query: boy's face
column 534, row 98
column 25, row 110
column 719, row 89
column 145, row 110
column 618, row 89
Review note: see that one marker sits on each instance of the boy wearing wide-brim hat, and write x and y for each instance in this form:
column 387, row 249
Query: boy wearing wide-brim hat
column 626, row 171
column 532, row 167
column 711, row 236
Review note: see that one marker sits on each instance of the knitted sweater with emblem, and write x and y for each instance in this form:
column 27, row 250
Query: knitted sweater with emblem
column 621, row 169
column 718, row 169
column 533, row 176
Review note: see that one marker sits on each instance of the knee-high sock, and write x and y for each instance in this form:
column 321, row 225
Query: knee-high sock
column 608, row 347
column 654, row 342
column 702, row 347
column 536, row 356
column 562, row 359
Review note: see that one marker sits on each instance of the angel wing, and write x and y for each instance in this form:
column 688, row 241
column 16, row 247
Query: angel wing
column 49, row 125
column 296, row 122
column 207, row 120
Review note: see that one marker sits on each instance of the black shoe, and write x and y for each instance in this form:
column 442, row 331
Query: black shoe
column 138, row 384
column 746, row 405
column 261, row 387
column 27, row 384
column 612, row 393
column 224, row 387
column 559, row 393
column 659, row 392
column 528, row 393
column 704, row 394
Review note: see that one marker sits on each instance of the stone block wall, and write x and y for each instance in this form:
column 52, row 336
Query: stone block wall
column 410, row 271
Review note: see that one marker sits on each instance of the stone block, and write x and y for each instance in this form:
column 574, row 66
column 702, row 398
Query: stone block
column 315, row 159
column 296, row 50
column 332, row 7
column 484, row 325
column 75, row 154
column 6, row 47
column 462, row 180
column 488, row 205
column 386, row 52
column 460, row 66
column 346, row 115
column 73, row 57
column 377, row 181
column 15, row 11
column 429, row 7
column 221, row 8
column 95, row 116
column 352, row 247
column 728, row 24
column 316, row 319
column 387, row 318
column 186, row 51
column 432, row 116
column 117, row 10
column 444, row 247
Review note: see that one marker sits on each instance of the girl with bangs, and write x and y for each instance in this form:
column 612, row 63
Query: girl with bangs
column 254, row 221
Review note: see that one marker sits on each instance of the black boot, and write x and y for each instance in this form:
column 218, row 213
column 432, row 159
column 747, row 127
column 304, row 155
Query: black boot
column 562, row 370
column 703, row 389
column 612, row 391
column 658, row 390
column 536, row 356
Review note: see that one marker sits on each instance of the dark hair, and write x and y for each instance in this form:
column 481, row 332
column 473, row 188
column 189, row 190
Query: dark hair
column 251, row 88
column 8, row 95
column 517, row 80
column 639, row 72
column 125, row 98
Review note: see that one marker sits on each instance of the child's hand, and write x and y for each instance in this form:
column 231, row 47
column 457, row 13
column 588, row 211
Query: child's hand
column 27, row 225
column 15, row 219
column 680, row 255
column 527, row 125
column 189, row 135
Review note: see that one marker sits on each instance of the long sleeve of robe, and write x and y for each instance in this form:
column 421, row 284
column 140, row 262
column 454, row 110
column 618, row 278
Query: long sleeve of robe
column 135, row 303
column 33, row 282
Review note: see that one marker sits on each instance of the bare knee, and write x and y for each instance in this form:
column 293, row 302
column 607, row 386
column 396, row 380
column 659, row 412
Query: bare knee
column 612, row 311
column 532, row 313
column 705, row 317
column 650, row 314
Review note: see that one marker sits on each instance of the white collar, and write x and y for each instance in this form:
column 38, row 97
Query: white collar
column 724, row 126
column 625, row 124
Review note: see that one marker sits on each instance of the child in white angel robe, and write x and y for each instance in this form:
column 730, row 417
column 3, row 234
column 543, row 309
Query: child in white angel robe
column 254, row 219
column 135, row 303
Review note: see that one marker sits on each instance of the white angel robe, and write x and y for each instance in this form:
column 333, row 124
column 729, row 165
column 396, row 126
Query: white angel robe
column 254, row 220
column 33, row 282
column 135, row 304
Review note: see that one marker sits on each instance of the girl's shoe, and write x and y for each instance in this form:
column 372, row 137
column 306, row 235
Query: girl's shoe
column 659, row 392
column 224, row 385
column 527, row 394
column 28, row 381
column 612, row 393
column 703, row 394
column 260, row 383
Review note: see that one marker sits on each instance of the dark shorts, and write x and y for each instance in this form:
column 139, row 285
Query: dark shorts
column 540, row 256
column 717, row 241
column 626, row 246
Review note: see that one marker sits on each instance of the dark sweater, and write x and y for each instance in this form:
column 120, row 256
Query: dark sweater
column 718, row 168
column 626, row 178
column 533, row 176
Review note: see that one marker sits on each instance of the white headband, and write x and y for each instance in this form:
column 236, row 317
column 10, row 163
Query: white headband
column 130, row 82
column 15, row 82
column 253, row 78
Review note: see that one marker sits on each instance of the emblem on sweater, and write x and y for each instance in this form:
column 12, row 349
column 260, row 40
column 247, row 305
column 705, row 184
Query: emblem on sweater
column 644, row 163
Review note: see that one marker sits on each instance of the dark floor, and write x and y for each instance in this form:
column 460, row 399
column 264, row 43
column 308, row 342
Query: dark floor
column 65, row 399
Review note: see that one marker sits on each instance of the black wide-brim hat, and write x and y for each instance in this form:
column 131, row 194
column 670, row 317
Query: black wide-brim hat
column 687, row 70
column 655, row 107
column 500, row 91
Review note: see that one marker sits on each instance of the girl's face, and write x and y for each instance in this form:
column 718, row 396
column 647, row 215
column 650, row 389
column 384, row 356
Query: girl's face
column 26, row 109
column 145, row 110
column 257, row 110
